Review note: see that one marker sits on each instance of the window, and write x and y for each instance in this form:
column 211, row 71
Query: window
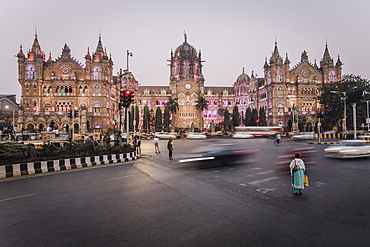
column 280, row 91
column 97, row 89
column 30, row 72
column 279, row 76
column 96, row 73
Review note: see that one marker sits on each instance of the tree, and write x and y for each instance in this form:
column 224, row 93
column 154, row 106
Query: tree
column 202, row 104
column 248, row 117
column 158, row 119
column 146, row 119
column 254, row 117
column 262, row 116
column 173, row 106
column 236, row 121
column 332, row 100
column 227, row 122
column 166, row 118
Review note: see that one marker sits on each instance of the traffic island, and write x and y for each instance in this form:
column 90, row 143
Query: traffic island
column 15, row 170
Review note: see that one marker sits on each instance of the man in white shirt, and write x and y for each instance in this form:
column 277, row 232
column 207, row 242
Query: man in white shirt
column 156, row 145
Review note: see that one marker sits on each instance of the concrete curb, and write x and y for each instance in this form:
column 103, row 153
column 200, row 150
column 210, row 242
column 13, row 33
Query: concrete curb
column 22, row 169
column 322, row 142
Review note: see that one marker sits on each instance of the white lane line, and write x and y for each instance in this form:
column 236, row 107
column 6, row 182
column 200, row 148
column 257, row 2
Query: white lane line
column 119, row 178
column 262, row 180
column 16, row 197
column 265, row 172
column 264, row 191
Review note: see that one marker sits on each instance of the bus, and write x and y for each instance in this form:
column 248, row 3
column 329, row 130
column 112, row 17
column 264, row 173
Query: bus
column 260, row 131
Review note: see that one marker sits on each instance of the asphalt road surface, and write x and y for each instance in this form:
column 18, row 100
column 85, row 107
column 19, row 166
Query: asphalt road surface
column 154, row 201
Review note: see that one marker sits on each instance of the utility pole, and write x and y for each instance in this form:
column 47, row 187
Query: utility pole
column 354, row 121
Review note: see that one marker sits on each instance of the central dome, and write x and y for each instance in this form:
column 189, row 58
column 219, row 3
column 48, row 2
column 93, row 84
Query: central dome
column 186, row 50
column 243, row 77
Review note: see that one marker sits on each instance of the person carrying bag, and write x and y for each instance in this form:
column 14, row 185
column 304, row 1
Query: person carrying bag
column 297, row 169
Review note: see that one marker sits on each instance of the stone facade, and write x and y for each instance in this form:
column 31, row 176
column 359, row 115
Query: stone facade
column 51, row 88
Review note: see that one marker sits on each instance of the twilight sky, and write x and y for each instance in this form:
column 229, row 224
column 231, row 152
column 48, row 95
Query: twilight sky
column 231, row 34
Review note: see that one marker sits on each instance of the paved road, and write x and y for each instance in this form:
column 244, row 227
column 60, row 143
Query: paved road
column 154, row 201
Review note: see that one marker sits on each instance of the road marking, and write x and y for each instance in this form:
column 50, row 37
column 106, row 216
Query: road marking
column 264, row 191
column 266, row 172
column 119, row 177
column 319, row 184
column 263, row 180
column 16, row 197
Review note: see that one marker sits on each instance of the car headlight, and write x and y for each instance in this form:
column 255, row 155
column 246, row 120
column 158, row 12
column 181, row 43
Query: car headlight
column 349, row 150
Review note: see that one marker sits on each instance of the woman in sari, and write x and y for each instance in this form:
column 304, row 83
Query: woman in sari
column 297, row 174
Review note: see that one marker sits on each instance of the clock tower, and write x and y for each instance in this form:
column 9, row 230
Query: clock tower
column 186, row 84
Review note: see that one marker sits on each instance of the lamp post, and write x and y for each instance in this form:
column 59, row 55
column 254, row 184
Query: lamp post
column 367, row 115
column 7, row 107
column 344, row 98
column 129, row 54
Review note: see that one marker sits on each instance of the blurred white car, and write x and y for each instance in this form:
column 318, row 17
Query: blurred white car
column 164, row 135
column 304, row 136
column 241, row 135
column 348, row 149
column 195, row 135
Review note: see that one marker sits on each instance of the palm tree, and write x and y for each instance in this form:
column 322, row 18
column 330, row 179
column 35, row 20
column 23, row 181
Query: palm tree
column 202, row 104
column 173, row 106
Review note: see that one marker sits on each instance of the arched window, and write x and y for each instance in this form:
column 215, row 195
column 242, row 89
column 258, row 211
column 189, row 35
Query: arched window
column 30, row 72
column 280, row 91
column 279, row 76
column 96, row 73
column 97, row 89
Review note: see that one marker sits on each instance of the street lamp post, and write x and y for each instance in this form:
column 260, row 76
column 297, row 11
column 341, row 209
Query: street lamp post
column 7, row 107
column 367, row 115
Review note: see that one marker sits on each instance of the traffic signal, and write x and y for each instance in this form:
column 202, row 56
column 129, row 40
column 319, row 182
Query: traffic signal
column 122, row 99
column 320, row 114
column 69, row 113
column 129, row 97
column 132, row 97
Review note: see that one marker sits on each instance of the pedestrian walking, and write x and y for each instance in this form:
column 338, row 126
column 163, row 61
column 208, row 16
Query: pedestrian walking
column 170, row 148
column 138, row 145
column 156, row 145
column 297, row 169
column 278, row 139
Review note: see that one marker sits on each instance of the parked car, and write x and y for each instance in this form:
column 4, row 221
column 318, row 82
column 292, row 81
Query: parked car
column 164, row 135
column 218, row 155
column 304, row 136
column 195, row 136
column 348, row 149
column 241, row 135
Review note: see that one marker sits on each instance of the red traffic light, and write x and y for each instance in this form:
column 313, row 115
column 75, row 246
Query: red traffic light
column 257, row 120
column 318, row 112
column 128, row 92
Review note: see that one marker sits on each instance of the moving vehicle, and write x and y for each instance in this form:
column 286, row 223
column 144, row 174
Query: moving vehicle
column 241, row 135
column 307, row 154
column 260, row 131
column 304, row 136
column 195, row 136
column 218, row 155
column 348, row 149
column 164, row 135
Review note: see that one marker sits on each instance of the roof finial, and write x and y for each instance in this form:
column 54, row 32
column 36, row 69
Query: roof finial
column 185, row 37
column 243, row 71
column 35, row 31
